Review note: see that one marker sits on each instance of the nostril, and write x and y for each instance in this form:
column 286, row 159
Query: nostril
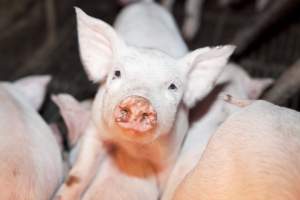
column 124, row 112
column 145, row 116
column 148, row 118
column 123, row 115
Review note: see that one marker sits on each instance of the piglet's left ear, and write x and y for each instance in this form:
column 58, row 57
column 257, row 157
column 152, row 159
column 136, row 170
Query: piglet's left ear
column 34, row 88
column 203, row 67
column 256, row 87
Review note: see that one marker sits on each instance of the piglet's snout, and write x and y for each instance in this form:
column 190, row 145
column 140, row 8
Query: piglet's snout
column 135, row 113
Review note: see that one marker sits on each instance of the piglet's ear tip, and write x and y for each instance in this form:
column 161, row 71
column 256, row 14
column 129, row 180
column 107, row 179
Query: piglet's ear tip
column 214, row 52
column 58, row 97
column 43, row 80
column 269, row 81
column 46, row 78
column 80, row 14
column 78, row 10
column 55, row 98
column 225, row 49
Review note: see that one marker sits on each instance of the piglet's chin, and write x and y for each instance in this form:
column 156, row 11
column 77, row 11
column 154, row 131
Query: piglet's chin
column 137, row 127
column 137, row 137
column 134, row 133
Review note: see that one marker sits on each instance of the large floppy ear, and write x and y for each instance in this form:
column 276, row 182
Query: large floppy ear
column 76, row 115
column 34, row 88
column 256, row 87
column 203, row 67
column 99, row 45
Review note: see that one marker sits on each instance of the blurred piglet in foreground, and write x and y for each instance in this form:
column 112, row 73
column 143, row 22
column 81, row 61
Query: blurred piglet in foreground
column 31, row 165
column 140, row 113
column 253, row 155
column 207, row 117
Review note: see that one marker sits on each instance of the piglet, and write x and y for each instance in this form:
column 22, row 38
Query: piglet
column 31, row 164
column 149, row 83
column 253, row 155
column 208, row 115
column 192, row 16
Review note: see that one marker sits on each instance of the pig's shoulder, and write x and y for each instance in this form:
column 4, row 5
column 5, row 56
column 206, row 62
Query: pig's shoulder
column 262, row 116
column 264, row 108
column 258, row 109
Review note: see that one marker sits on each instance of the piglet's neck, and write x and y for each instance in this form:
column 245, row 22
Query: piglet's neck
column 138, row 160
column 130, row 165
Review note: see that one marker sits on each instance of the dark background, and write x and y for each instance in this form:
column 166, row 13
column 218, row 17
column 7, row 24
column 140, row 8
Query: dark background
column 39, row 37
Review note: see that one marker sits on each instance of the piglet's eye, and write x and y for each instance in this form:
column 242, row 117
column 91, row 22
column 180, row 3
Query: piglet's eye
column 172, row 86
column 117, row 74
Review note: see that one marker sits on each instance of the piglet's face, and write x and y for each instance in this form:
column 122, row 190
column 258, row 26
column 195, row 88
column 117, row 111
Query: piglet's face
column 142, row 93
column 143, row 88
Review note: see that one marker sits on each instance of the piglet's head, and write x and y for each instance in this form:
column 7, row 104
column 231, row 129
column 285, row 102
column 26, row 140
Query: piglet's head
column 143, row 88
column 240, row 84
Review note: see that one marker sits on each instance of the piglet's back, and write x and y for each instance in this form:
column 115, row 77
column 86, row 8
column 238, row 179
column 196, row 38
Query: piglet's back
column 148, row 25
column 30, row 161
column 253, row 155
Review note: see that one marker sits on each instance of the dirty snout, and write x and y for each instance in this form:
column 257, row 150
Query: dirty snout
column 135, row 113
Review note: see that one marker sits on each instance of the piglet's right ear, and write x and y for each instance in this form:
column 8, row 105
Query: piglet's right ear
column 75, row 115
column 99, row 45
column 34, row 88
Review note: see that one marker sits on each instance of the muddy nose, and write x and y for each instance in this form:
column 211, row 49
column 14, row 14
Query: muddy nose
column 135, row 113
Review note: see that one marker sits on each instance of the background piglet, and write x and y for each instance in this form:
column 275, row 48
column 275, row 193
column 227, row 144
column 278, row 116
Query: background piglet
column 110, row 182
column 208, row 115
column 31, row 165
column 149, row 82
column 192, row 16
column 76, row 116
column 253, row 155
column 193, row 10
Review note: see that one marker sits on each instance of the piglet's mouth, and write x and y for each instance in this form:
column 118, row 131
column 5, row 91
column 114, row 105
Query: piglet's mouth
column 142, row 126
column 135, row 114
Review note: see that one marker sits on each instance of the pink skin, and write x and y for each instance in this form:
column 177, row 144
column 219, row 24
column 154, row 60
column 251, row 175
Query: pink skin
column 31, row 164
column 135, row 113
column 254, row 154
